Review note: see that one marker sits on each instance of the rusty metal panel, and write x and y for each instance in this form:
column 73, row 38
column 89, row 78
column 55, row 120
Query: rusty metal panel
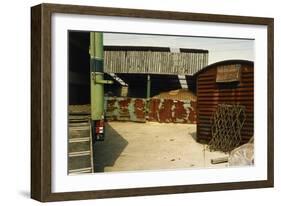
column 228, row 73
column 211, row 93
column 172, row 111
column 125, row 109
column 159, row 110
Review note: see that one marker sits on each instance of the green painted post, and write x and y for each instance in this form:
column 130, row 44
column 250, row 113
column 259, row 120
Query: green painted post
column 97, row 76
column 96, row 66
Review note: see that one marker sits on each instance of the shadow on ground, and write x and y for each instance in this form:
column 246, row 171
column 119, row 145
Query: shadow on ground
column 193, row 135
column 108, row 151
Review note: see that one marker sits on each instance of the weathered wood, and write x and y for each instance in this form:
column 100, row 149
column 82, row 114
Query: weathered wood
column 135, row 60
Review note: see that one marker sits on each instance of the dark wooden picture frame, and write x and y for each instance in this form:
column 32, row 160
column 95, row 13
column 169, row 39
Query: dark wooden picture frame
column 41, row 101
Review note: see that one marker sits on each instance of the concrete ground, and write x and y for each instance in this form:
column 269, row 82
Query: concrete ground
column 130, row 146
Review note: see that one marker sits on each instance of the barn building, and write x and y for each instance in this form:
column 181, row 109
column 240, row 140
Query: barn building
column 134, row 67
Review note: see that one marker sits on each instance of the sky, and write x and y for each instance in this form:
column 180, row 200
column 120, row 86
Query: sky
column 219, row 48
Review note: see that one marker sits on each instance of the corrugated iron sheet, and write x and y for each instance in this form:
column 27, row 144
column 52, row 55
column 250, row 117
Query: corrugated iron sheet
column 154, row 62
column 172, row 111
column 125, row 109
column 158, row 110
column 210, row 94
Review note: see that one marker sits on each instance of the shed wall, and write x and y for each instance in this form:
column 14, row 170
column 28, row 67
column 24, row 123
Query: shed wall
column 153, row 60
column 210, row 94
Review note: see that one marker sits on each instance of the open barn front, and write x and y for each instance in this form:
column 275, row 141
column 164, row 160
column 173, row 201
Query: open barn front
column 150, row 107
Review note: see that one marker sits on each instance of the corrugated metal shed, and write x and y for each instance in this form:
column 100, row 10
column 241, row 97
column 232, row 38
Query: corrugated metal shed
column 215, row 86
column 153, row 60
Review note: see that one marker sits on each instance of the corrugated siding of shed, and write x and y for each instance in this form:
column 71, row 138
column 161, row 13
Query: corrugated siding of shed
column 210, row 94
column 154, row 62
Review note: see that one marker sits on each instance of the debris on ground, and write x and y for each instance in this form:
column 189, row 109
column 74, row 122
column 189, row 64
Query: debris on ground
column 219, row 160
column 243, row 155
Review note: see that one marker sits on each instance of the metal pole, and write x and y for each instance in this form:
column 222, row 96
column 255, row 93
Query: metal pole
column 97, row 79
column 97, row 84
column 97, row 76
column 96, row 69
column 148, row 87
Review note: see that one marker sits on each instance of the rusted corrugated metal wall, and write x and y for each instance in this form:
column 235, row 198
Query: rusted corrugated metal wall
column 159, row 110
column 153, row 60
column 172, row 111
column 210, row 94
column 125, row 109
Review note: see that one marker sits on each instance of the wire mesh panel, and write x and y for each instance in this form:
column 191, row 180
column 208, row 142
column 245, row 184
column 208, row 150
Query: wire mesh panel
column 227, row 124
